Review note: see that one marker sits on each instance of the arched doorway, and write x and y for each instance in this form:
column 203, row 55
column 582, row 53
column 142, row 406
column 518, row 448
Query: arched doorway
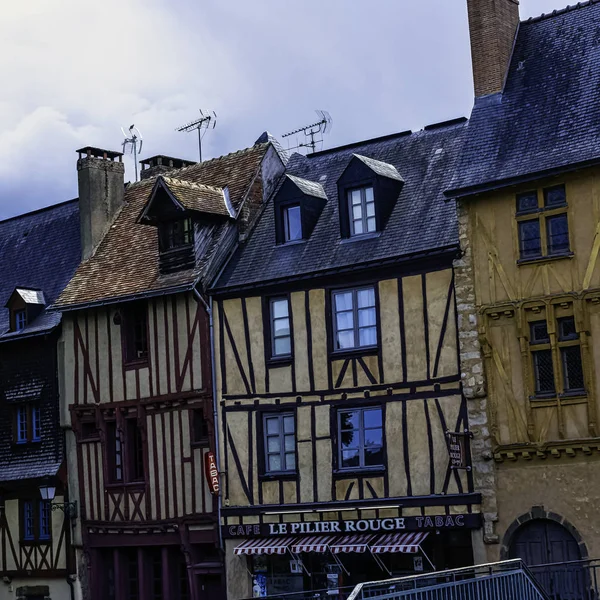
column 541, row 541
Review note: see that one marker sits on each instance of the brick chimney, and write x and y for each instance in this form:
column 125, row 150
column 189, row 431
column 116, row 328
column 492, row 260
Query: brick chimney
column 160, row 164
column 493, row 25
column 101, row 178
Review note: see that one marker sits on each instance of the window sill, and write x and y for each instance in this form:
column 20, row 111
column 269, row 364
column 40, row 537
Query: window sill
column 200, row 444
column 35, row 542
column 573, row 395
column 283, row 476
column 544, row 259
column 130, row 365
column 361, row 237
column 358, row 472
column 354, row 352
column 291, row 243
column 130, row 485
column 280, row 361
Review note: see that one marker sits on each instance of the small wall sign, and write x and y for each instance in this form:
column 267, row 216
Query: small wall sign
column 458, row 449
column 212, row 473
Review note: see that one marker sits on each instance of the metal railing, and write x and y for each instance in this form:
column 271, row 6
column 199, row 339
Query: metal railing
column 574, row 580
column 507, row 580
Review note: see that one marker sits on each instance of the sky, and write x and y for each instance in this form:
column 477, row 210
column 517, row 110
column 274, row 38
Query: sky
column 75, row 72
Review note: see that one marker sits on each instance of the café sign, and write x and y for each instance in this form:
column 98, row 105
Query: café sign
column 394, row 524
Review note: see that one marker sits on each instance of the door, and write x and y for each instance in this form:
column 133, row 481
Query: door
column 547, row 543
column 209, row 587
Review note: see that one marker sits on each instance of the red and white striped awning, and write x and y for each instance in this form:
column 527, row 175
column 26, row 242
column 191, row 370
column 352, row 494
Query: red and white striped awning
column 264, row 546
column 320, row 543
column 351, row 543
column 408, row 543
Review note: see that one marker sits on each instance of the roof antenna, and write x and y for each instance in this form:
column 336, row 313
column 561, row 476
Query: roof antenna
column 135, row 141
column 204, row 122
column 313, row 133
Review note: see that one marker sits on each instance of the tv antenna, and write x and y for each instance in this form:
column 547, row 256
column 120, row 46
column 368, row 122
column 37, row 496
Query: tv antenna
column 204, row 122
column 313, row 133
column 135, row 141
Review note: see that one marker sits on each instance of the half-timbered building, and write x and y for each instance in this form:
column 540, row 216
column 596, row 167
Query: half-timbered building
column 137, row 367
column 39, row 253
column 529, row 282
column 338, row 376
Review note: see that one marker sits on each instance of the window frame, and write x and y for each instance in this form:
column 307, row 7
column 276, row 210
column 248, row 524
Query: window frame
column 265, row 472
column 166, row 235
column 20, row 319
column 270, row 328
column 364, row 218
column 542, row 214
column 27, row 420
column 132, row 357
column 285, row 208
column 35, row 511
column 338, row 435
column 202, row 441
column 357, row 348
column 120, row 452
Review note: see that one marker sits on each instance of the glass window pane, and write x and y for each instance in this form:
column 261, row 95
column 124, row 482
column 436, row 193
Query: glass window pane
column 527, row 201
column 558, row 234
column 369, row 194
column 345, row 320
column 350, row 458
column 290, row 444
column 373, row 437
column 349, row 419
column 281, row 327
column 288, row 424
column 280, row 308
column 293, row 223
column 283, row 346
column 529, row 238
column 272, row 425
column 539, row 332
column 367, row 336
column 555, row 196
column 343, row 301
column 366, row 298
column 373, row 457
column 357, row 212
column 273, row 444
column 572, row 370
column 357, row 227
column 372, row 417
column 371, row 209
column 544, row 371
column 566, row 329
column 275, row 462
column 366, row 317
column 355, row 195
column 290, row 462
column 370, row 224
column 345, row 339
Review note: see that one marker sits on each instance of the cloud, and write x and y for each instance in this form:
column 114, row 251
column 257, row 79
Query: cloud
column 74, row 72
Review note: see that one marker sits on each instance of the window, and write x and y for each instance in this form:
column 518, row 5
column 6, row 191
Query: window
column 20, row 319
column 175, row 234
column 125, row 452
column 567, row 350
column 36, row 520
column 292, row 223
column 114, row 452
column 135, row 451
column 360, row 434
column 89, row 430
column 199, row 427
column 28, row 426
column 355, row 318
column 542, row 223
column 361, row 207
column 136, row 333
column 280, row 443
column 281, row 335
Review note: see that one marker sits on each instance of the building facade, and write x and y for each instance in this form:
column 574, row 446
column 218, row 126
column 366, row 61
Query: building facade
column 527, row 190
column 137, row 381
column 36, row 514
column 338, row 377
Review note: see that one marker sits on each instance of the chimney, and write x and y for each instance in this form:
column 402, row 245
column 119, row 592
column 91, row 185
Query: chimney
column 160, row 164
column 493, row 26
column 101, row 179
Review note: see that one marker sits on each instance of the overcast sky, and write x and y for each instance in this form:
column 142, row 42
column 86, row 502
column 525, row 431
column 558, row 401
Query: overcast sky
column 74, row 72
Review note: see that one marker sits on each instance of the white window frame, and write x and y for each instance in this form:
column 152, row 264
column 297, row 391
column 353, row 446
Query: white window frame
column 364, row 219
column 280, row 435
column 355, row 322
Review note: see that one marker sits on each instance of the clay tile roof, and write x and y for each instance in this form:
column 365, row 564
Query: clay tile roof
column 125, row 263
column 197, row 196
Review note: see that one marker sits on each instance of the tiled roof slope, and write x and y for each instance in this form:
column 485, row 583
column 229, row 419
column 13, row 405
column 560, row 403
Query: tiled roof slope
column 421, row 220
column 38, row 250
column 125, row 263
column 198, row 197
column 548, row 117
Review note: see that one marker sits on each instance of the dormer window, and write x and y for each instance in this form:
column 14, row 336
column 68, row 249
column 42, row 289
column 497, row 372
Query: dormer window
column 175, row 234
column 292, row 223
column 20, row 317
column 362, row 211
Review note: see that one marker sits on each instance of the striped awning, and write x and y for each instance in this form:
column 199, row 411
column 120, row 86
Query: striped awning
column 351, row 543
column 320, row 543
column 408, row 543
column 264, row 546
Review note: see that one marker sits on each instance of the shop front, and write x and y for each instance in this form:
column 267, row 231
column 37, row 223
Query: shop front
column 287, row 558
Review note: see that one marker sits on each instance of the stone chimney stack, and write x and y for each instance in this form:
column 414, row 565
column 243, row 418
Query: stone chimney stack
column 493, row 26
column 161, row 164
column 101, row 178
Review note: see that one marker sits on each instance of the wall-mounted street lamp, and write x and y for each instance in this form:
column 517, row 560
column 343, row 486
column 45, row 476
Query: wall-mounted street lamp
column 69, row 508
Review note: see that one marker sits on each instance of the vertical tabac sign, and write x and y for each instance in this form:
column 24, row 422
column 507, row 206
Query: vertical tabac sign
column 458, row 449
column 212, row 473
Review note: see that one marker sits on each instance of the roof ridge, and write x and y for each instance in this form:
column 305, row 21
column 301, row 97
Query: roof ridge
column 560, row 11
column 38, row 210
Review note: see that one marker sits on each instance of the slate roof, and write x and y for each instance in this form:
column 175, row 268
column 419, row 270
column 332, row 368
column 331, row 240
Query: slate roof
column 197, row 197
column 30, row 296
column 310, row 188
column 421, row 220
column 38, row 250
column 381, row 168
column 125, row 264
column 548, row 116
